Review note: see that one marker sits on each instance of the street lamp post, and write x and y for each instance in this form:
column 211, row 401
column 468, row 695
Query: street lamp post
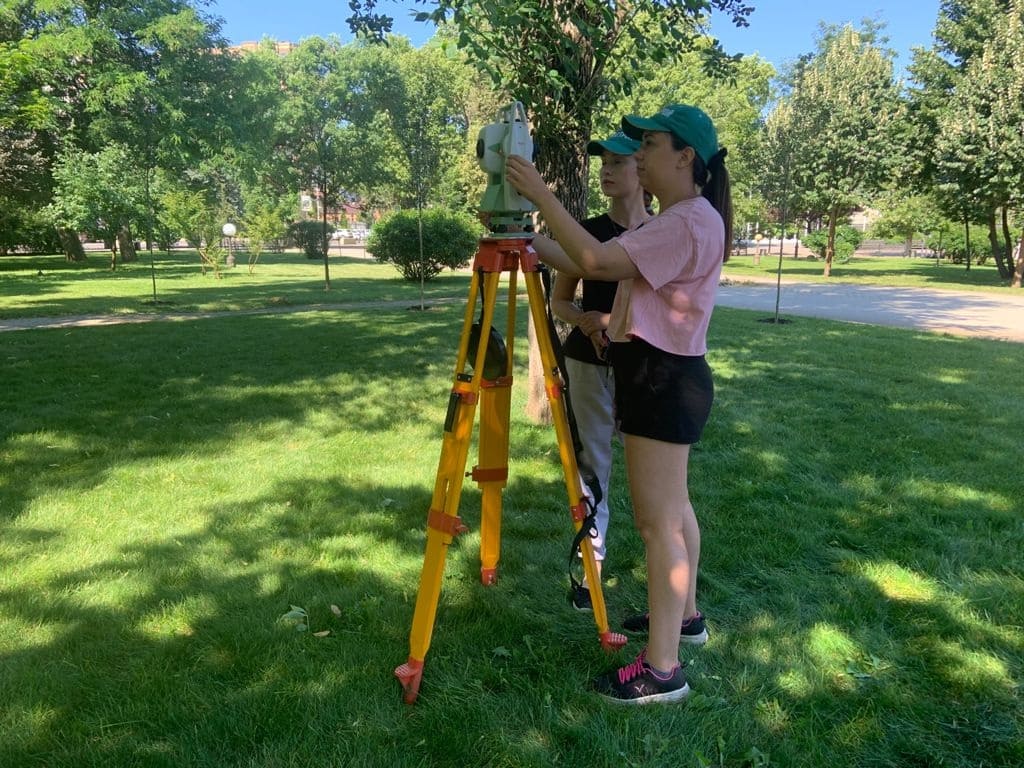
column 229, row 230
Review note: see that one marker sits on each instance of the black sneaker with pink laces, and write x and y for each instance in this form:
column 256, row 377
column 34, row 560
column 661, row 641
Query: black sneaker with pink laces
column 639, row 683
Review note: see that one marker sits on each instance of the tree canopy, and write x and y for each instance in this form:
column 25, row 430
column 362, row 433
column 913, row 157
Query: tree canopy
column 555, row 59
column 832, row 136
column 154, row 84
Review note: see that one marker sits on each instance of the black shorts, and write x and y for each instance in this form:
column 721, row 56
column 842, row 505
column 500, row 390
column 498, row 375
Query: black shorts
column 660, row 395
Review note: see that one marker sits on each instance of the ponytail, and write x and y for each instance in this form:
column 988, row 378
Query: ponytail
column 713, row 180
column 718, row 192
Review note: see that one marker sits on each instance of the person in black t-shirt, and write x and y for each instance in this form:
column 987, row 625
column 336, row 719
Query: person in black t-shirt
column 590, row 377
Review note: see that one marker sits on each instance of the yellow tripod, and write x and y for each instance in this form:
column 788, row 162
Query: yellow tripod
column 493, row 391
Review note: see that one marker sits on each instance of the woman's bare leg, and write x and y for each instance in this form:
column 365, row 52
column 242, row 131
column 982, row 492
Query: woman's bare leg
column 668, row 526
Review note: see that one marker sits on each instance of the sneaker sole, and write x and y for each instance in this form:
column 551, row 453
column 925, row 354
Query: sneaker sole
column 695, row 639
column 689, row 639
column 668, row 697
column 583, row 608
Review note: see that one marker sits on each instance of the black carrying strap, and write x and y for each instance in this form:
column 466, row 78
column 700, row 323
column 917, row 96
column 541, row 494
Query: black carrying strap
column 587, row 473
column 496, row 354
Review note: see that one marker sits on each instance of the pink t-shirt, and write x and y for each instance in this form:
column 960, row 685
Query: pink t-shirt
column 679, row 256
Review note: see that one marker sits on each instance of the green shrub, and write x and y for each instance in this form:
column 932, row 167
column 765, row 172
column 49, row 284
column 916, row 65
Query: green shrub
column 309, row 236
column 951, row 243
column 847, row 240
column 449, row 240
column 25, row 229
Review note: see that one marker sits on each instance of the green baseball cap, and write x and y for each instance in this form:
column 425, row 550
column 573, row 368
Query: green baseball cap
column 690, row 124
column 618, row 144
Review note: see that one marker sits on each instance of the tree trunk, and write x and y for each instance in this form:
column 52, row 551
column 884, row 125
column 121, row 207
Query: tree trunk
column 324, row 241
column 1007, row 241
column 996, row 247
column 967, row 242
column 830, row 245
column 71, row 245
column 562, row 160
column 126, row 246
column 1018, row 273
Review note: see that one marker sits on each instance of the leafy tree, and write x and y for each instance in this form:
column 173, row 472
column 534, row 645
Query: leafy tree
column 778, row 151
column 969, row 105
column 554, row 58
column 317, row 136
column 904, row 217
column 996, row 76
column 23, row 186
column 193, row 214
column 150, row 77
column 264, row 221
column 424, row 103
column 93, row 195
column 24, row 150
column 841, row 114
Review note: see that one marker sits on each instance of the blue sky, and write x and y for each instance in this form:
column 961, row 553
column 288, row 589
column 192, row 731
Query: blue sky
column 779, row 31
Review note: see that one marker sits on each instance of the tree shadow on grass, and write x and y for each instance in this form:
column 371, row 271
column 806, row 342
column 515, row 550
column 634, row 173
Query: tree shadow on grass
column 83, row 402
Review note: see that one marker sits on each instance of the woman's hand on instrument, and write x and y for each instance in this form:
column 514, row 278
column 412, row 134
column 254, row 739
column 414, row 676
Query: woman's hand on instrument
column 523, row 176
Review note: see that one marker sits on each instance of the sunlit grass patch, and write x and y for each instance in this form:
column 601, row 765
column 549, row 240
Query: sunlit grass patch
column 899, row 583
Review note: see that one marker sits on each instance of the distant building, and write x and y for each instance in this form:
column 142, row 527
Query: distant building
column 281, row 47
column 862, row 218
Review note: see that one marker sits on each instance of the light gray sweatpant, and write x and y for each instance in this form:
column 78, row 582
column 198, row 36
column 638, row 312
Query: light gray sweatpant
column 592, row 390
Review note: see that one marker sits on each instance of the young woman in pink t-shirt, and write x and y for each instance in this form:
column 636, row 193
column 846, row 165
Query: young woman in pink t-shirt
column 664, row 388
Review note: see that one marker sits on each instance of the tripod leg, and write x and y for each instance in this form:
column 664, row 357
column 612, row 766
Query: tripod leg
column 609, row 640
column 443, row 522
column 492, row 472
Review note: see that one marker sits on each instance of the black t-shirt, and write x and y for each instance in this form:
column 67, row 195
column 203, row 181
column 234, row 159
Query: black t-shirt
column 598, row 295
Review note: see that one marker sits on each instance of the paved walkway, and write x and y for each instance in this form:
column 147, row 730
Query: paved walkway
column 960, row 313
column 79, row 321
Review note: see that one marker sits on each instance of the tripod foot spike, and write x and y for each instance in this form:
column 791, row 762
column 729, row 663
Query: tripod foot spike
column 612, row 641
column 409, row 675
column 488, row 576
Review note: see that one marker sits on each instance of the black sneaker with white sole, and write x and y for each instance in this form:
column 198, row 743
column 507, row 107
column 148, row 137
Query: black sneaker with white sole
column 693, row 630
column 639, row 683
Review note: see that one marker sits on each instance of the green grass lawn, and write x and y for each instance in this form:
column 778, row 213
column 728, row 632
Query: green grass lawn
column 871, row 270
column 46, row 286
column 170, row 490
